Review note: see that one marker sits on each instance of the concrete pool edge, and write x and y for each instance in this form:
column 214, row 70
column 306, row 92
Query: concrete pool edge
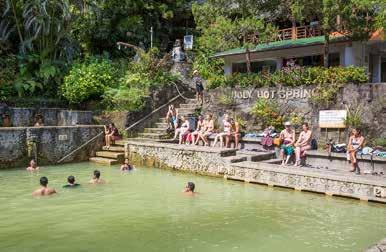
column 211, row 162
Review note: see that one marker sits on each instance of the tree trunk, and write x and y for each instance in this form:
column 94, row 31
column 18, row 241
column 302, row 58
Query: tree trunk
column 326, row 49
column 248, row 58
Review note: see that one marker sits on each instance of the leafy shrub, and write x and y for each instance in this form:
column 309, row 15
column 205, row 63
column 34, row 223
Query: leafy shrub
column 149, row 72
column 293, row 77
column 380, row 142
column 267, row 113
column 8, row 69
column 88, row 80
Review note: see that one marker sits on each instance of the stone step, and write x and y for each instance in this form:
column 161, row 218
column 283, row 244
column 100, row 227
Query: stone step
column 114, row 148
column 236, row 159
column 272, row 161
column 188, row 106
column 110, row 154
column 153, row 135
column 186, row 111
column 255, row 156
column 120, row 143
column 101, row 160
column 163, row 125
column 155, row 130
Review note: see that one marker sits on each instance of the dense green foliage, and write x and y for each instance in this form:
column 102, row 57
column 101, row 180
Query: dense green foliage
column 292, row 77
column 132, row 89
column 88, row 80
column 268, row 114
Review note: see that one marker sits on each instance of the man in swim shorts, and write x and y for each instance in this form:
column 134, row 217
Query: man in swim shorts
column 43, row 190
column 96, row 178
column 71, row 182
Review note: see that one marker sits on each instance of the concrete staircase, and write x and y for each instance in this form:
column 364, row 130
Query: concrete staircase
column 114, row 155
column 159, row 130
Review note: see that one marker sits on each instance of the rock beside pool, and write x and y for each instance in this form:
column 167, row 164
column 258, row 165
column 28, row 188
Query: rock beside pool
column 379, row 247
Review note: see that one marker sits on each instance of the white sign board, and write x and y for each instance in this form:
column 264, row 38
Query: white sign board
column 332, row 118
column 188, row 42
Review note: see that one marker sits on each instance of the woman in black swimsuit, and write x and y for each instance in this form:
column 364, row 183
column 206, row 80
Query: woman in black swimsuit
column 199, row 87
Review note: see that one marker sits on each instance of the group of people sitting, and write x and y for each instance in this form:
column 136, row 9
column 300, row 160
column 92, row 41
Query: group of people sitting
column 290, row 146
column 205, row 129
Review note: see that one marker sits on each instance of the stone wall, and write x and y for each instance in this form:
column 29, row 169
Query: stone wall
column 24, row 117
column 370, row 98
column 50, row 144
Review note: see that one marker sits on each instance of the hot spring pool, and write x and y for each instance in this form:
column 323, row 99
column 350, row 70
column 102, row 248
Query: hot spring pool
column 145, row 211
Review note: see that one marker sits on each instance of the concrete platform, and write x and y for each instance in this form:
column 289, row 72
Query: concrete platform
column 232, row 164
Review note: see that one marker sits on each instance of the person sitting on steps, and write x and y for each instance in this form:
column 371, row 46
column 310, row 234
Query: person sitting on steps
column 111, row 135
column 355, row 144
column 303, row 144
column 201, row 127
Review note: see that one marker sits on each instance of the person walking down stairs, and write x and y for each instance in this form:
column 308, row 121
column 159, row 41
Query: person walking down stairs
column 199, row 87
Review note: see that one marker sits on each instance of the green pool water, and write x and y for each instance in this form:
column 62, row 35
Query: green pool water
column 145, row 210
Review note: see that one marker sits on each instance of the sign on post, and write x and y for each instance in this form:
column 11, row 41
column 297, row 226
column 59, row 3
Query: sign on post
column 332, row 119
column 188, row 42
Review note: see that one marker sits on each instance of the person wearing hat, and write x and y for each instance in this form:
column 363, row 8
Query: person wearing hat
column 287, row 137
column 199, row 87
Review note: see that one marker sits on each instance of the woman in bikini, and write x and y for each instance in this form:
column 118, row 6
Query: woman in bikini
column 182, row 131
column 303, row 144
column 111, row 135
column 207, row 131
column 201, row 127
column 287, row 136
column 226, row 133
column 355, row 144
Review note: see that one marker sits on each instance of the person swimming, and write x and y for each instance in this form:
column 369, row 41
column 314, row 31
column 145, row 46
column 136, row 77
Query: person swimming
column 96, row 178
column 126, row 166
column 189, row 188
column 44, row 190
column 32, row 166
column 71, row 182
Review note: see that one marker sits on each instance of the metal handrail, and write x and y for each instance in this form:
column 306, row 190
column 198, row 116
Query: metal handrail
column 131, row 126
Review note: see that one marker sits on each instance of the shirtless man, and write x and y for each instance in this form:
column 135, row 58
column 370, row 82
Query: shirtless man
column 235, row 132
column 189, row 189
column 303, row 144
column 32, row 166
column 287, row 136
column 96, row 178
column 43, row 190
column 172, row 117
column 126, row 166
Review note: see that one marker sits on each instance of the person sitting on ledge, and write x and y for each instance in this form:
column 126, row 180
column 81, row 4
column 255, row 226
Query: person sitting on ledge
column 303, row 144
column 126, row 166
column 189, row 188
column 96, row 178
column 111, row 135
column 32, row 166
column 43, row 190
column 201, row 128
column 226, row 133
column 39, row 121
column 208, row 131
column 287, row 136
column 182, row 131
column 71, row 182
column 355, row 144
column 235, row 133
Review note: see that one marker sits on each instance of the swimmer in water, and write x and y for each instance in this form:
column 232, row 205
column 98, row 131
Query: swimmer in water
column 189, row 188
column 44, row 190
column 126, row 166
column 32, row 166
column 96, row 178
column 71, row 182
